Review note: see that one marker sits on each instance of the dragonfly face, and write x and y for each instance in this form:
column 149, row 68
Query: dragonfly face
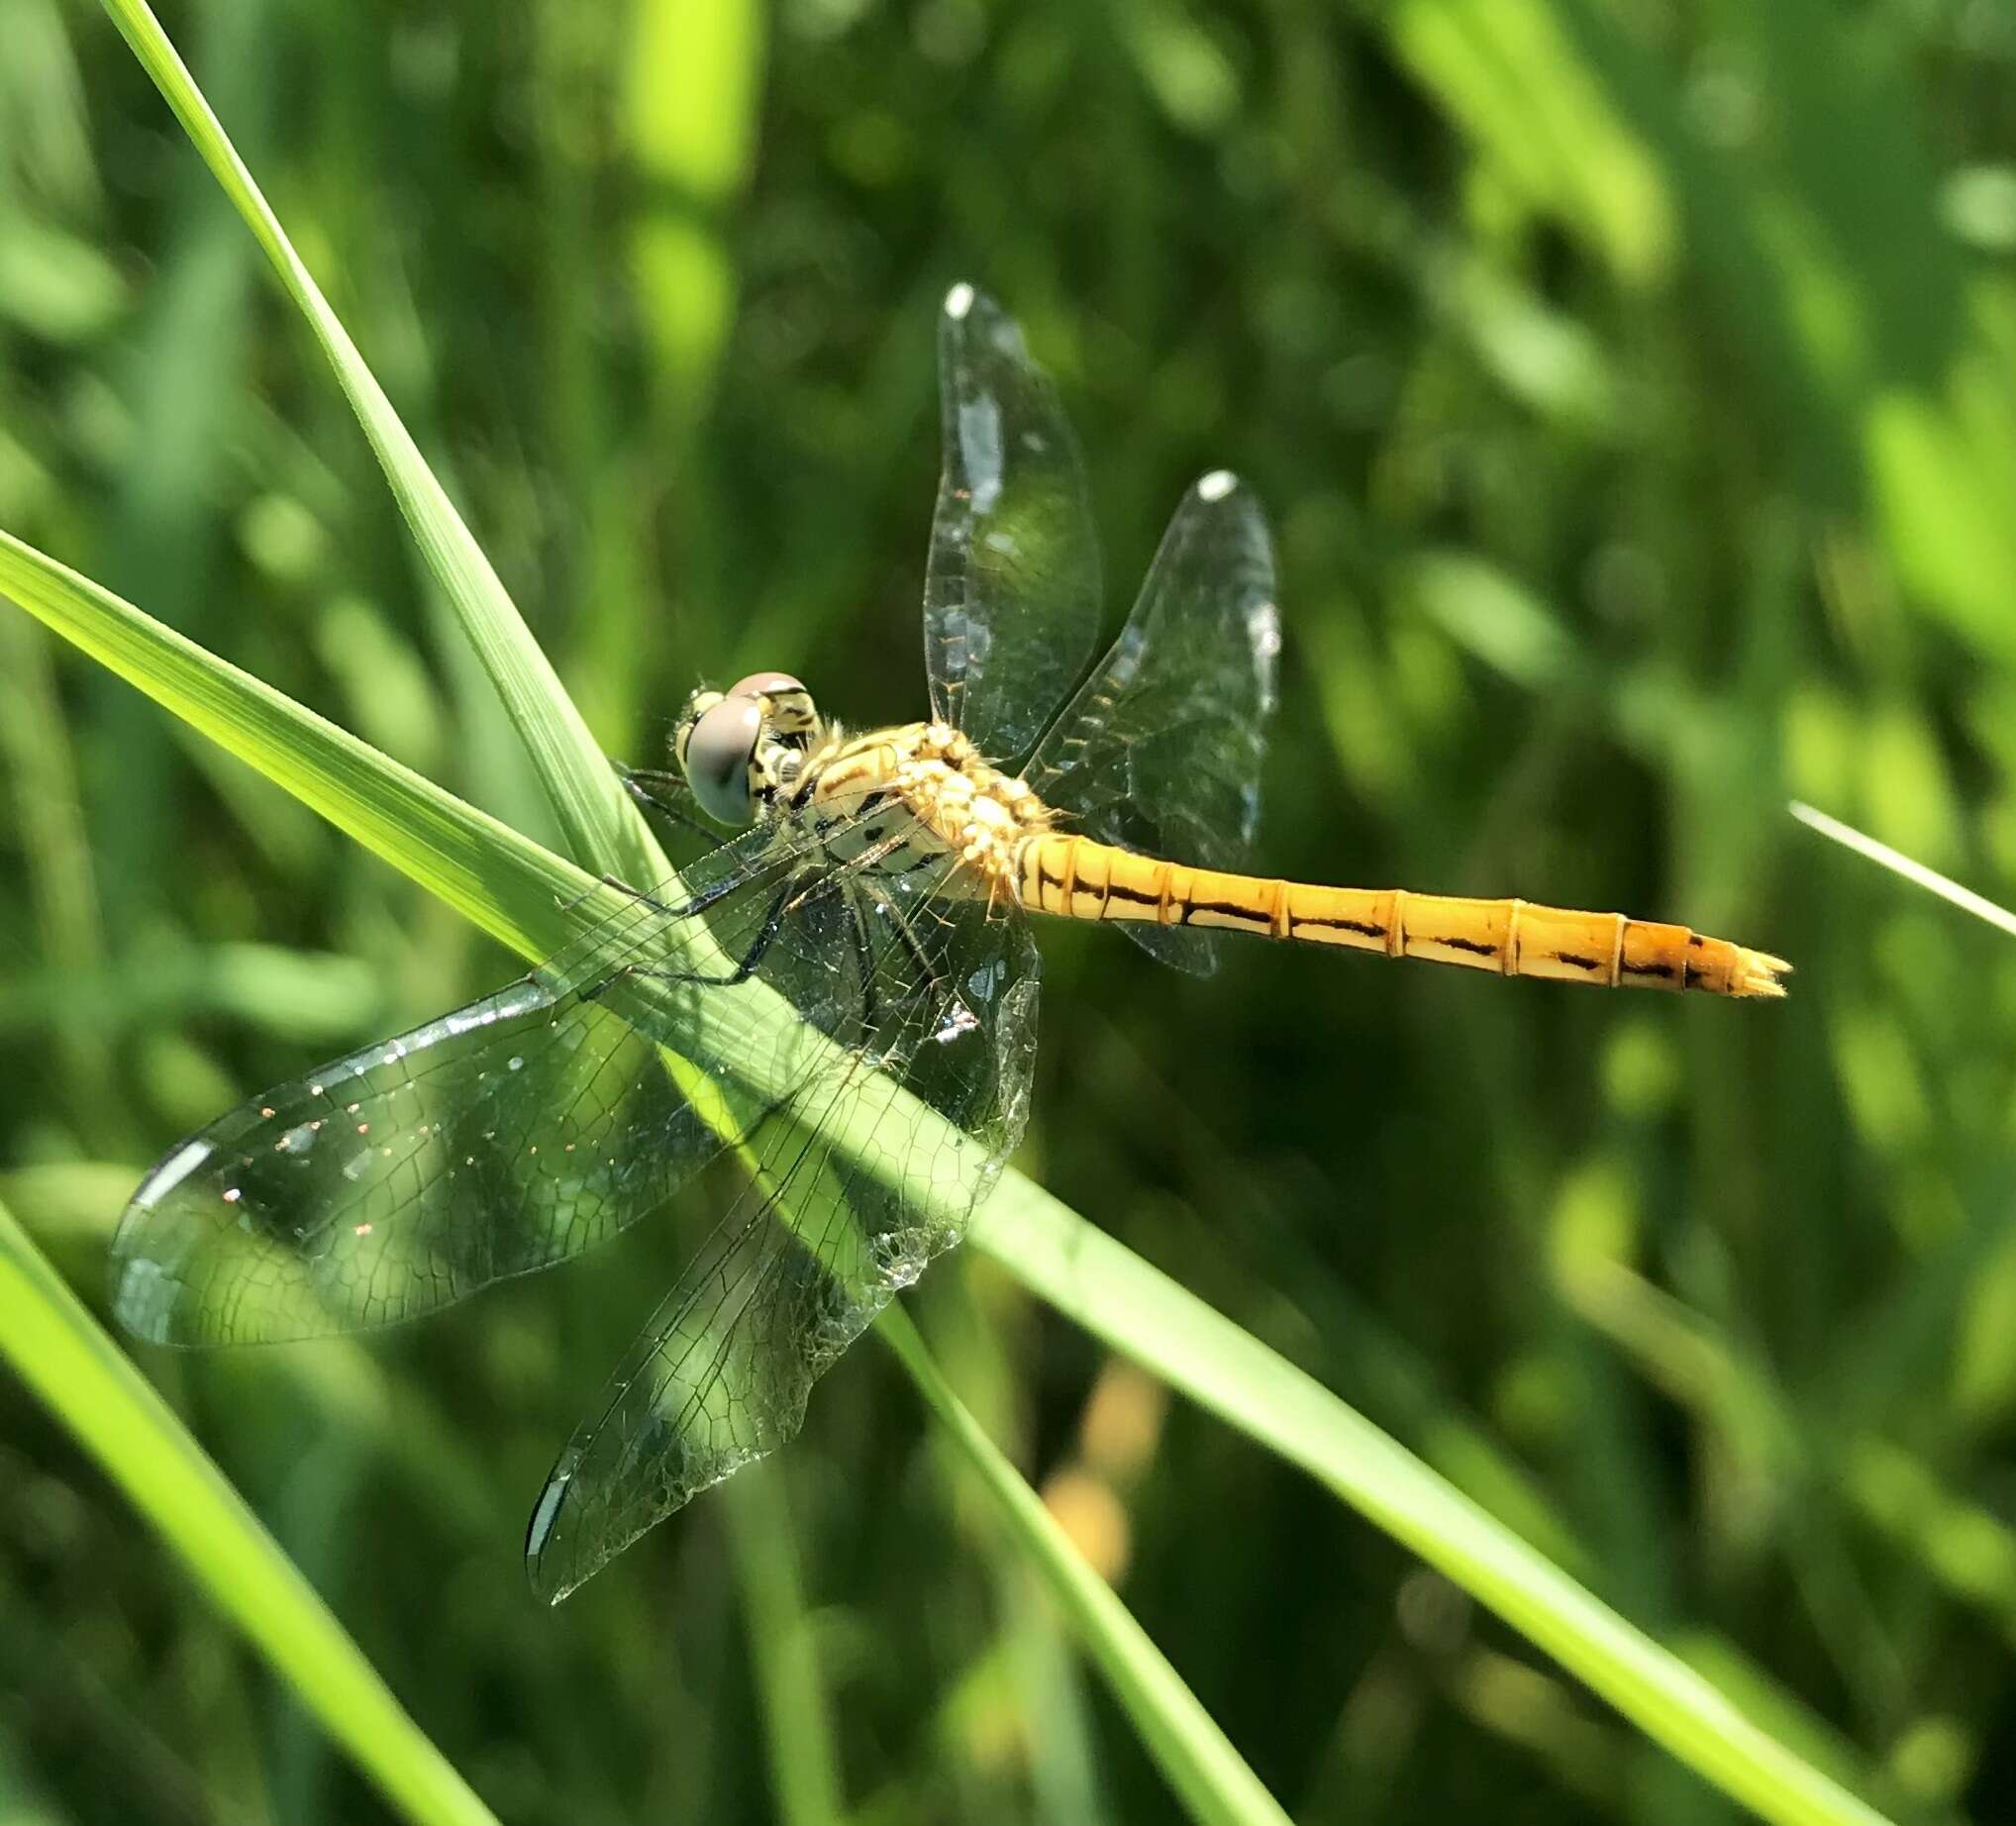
column 740, row 748
column 875, row 887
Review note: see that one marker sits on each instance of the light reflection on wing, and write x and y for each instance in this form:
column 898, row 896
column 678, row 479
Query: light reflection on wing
column 1161, row 750
column 1012, row 595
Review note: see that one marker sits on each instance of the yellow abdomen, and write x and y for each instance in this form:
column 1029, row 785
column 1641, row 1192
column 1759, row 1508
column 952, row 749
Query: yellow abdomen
column 1077, row 878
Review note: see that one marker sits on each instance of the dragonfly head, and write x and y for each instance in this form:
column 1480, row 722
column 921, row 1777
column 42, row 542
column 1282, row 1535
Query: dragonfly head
column 738, row 748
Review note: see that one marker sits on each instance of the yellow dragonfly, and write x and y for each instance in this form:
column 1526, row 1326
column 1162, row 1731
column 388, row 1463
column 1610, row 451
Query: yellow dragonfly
column 878, row 883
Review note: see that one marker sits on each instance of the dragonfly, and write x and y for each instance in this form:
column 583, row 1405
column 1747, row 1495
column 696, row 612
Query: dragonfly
column 880, row 883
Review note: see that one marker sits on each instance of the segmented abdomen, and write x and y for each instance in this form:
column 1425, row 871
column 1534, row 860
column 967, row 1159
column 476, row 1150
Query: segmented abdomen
column 1077, row 878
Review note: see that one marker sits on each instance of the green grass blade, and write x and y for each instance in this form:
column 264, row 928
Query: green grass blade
column 1189, row 1748
column 508, row 884
column 514, row 888
column 781, row 1630
column 85, row 1380
column 1930, row 879
column 600, row 824
column 1084, row 1274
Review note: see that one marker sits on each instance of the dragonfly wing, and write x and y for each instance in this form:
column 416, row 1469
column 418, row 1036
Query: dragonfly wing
column 826, row 1233
column 1161, row 750
column 1012, row 597
column 499, row 1139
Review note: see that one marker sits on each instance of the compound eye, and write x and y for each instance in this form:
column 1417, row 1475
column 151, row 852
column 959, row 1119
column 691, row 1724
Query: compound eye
column 766, row 685
column 719, row 753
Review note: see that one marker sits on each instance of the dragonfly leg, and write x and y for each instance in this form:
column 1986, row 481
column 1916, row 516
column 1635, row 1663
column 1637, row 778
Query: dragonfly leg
column 657, row 789
column 683, row 909
column 865, row 960
column 747, row 967
column 861, row 866
column 911, row 943
column 575, row 900
column 636, row 893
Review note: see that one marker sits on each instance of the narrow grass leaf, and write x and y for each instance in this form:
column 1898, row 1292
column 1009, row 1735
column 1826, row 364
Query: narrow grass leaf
column 783, row 1634
column 508, row 884
column 87, row 1383
column 1899, row 864
column 1187, row 1745
column 1084, row 1274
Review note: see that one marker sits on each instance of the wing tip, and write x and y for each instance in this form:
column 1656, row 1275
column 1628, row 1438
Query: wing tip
column 170, row 1172
column 148, row 1253
column 971, row 324
column 539, row 1533
column 142, row 1296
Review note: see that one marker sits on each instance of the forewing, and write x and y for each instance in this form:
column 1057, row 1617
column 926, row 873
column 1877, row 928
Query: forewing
column 499, row 1139
column 826, row 1235
column 1011, row 599
column 1161, row 750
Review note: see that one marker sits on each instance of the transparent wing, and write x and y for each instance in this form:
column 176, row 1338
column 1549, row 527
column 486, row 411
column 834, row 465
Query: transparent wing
column 499, row 1139
column 821, row 1240
column 1011, row 598
column 1160, row 750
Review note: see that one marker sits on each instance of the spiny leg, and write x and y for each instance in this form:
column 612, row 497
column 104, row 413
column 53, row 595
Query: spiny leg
column 800, row 886
column 865, row 960
column 841, row 881
column 622, row 888
column 906, row 934
column 699, row 903
column 774, row 921
column 657, row 789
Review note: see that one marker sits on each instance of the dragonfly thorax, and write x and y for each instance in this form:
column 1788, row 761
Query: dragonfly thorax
column 943, row 797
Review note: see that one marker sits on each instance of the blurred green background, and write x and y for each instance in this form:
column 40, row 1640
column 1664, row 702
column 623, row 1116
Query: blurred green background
column 1633, row 388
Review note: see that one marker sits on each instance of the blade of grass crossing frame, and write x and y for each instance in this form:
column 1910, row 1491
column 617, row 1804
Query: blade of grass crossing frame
column 86, row 1382
column 602, row 827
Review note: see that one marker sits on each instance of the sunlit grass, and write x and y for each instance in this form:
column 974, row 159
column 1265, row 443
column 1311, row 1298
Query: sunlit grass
column 1633, row 413
column 54, row 1345
column 1084, row 1273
